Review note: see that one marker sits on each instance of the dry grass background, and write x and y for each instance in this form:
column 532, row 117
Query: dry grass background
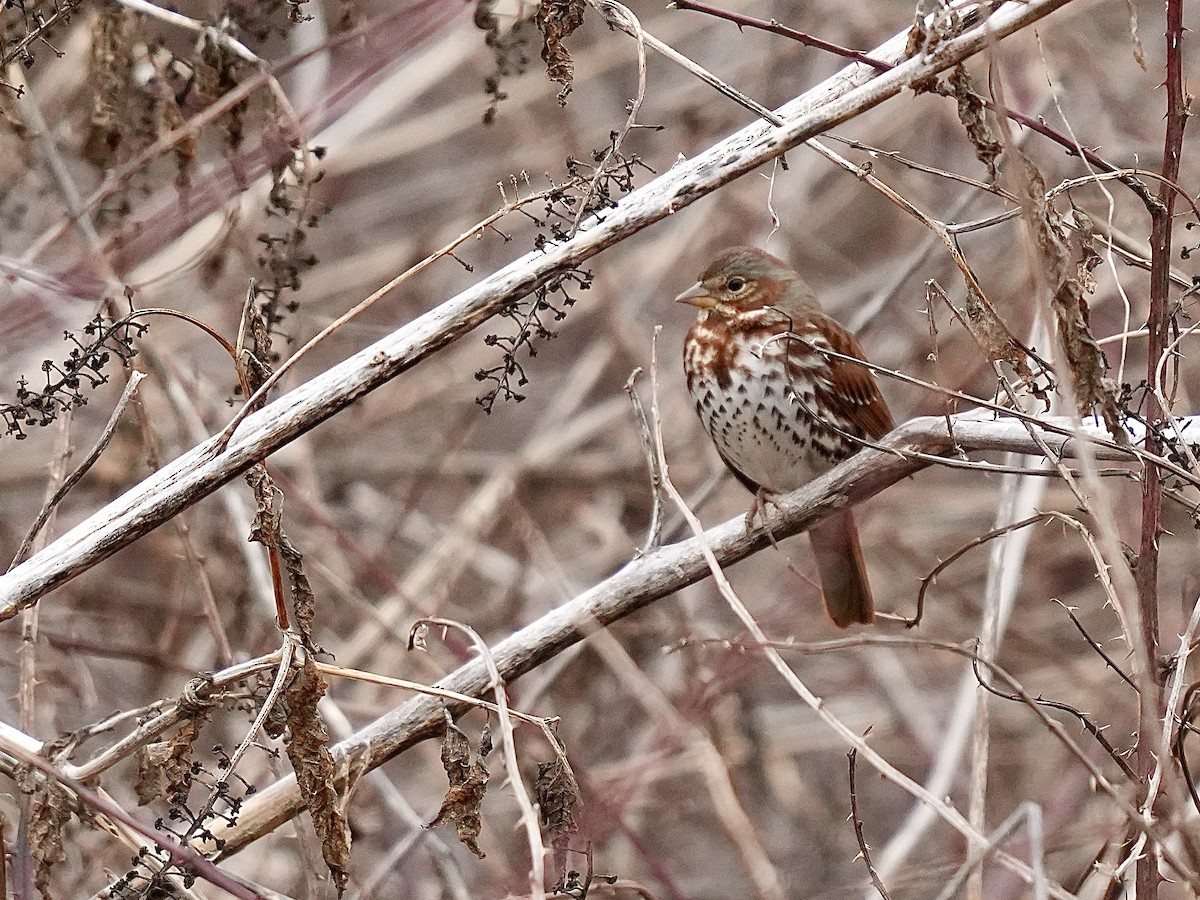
column 701, row 773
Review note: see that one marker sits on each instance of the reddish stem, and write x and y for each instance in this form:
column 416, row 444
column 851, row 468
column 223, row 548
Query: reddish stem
column 1146, row 575
column 775, row 28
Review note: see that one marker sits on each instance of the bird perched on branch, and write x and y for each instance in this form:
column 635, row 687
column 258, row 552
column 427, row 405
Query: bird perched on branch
column 779, row 411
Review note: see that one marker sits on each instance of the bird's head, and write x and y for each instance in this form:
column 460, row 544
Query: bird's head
column 743, row 281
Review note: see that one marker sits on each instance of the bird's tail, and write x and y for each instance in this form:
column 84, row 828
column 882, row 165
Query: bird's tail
column 843, row 572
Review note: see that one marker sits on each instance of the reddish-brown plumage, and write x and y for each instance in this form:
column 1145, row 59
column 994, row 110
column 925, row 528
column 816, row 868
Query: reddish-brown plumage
column 779, row 411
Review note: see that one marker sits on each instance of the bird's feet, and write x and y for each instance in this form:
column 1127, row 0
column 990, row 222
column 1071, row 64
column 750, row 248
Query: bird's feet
column 758, row 509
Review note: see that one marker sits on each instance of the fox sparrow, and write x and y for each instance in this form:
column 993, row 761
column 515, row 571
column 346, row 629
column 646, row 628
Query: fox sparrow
column 778, row 410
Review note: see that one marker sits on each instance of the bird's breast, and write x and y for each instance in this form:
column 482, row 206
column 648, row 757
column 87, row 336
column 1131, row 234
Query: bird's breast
column 755, row 395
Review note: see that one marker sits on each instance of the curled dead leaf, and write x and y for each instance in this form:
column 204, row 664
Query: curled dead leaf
column 557, row 794
column 557, row 19
column 972, row 112
column 468, row 783
column 1069, row 282
column 308, row 750
column 49, row 814
column 151, row 781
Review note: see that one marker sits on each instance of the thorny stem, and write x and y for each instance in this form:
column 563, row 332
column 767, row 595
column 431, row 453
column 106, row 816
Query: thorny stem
column 1146, row 573
column 864, row 850
column 1152, row 830
column 774, row 27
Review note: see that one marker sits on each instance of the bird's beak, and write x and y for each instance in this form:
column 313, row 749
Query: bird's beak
column 698, row 296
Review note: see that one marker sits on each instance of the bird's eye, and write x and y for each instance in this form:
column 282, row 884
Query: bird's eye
column 735, row 284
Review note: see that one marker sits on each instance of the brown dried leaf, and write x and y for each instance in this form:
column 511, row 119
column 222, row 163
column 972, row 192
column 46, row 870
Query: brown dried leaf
column 113, row 35
column 557, row 794
column 928, row 32
column 468, row 783
column 1041, row 218
column 26, row 779
column 304, row 601
column 177, row 765
column 49, row 813
column 485, row 742
column 927, row 85
column 973, row 115
column 993, row 336
column 267, row 529
column 557, row 19
column 254, row 362
column 308, row 749
column 918, row 34
column 1069, row 284
column 1085, row 358
column 1090, row 257
column 151, row 781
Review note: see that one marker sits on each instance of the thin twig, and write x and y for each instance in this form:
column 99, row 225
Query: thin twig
column 1095, row 645
column 619, row 16
column 1148, row 828
column 73, row 479
column 1094, row 730
column 1034, row 124
column 742, row 21
column 863, row 850
column 433, row 691
column 654, row 531
column 255, row 400
column 1068, row 428
column 718, row 84
column 198, row 692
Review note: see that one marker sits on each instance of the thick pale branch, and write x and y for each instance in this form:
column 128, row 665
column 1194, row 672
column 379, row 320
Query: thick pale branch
column 647, row 579
column 197, row 473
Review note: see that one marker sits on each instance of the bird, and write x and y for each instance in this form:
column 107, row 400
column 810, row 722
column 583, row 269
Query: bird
column 779, row 411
